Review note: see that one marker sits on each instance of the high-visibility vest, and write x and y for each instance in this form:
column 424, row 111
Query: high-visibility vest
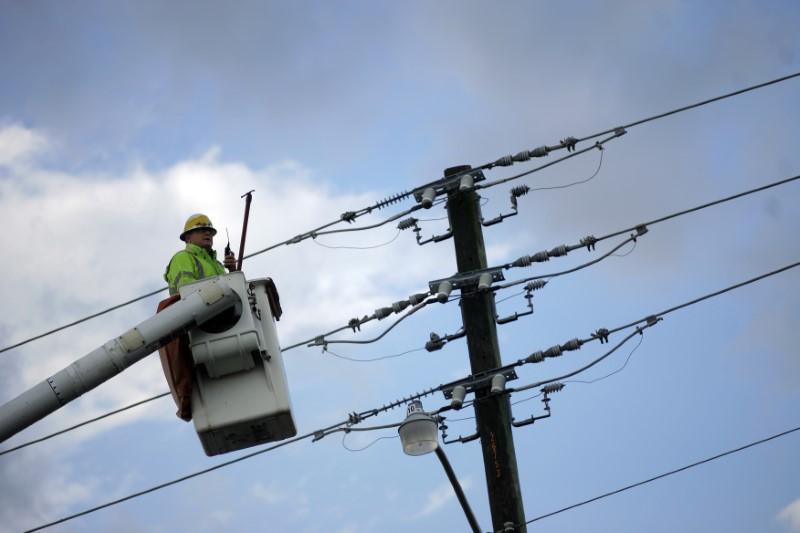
column 191, row 264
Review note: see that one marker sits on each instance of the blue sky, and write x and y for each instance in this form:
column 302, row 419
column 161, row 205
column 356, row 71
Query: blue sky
column 118, row 120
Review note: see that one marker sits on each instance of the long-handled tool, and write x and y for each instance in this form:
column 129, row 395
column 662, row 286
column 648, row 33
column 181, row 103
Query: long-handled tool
column 248, row 198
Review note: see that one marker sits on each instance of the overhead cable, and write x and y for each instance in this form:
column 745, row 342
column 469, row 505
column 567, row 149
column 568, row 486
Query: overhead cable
column 692, row 106
column 590, row 241
column 356, row 418
column 85, row 422
column 181, row 479
column 700, row 207
column 663, row 475
column 349, row 216
column 601, row 335
column 597, row 145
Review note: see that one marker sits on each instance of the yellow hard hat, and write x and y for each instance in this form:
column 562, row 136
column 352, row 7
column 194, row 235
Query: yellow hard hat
column 197, row 221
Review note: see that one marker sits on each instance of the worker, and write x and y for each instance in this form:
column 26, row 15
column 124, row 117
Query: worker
column 198, row 260
column 195, row 262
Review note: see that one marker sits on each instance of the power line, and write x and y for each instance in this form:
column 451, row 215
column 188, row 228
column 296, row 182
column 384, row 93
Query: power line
column 703, row 206
column 692, row 106
column 597, row 145
column 617, row 371
column 589, row 241
column 358, row 417
column 572, row 184
column 665, row 474
column 85, row 422
column 358, row 247
column 524, row 361
column 372, row 359
column 350, row 216
column 179, row 480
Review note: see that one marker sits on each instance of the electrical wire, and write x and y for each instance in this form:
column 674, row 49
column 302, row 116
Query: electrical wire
column 349, row 449
column 401, row 196
column 358, row 247
column 567, row 185
column 358, row 417
column 85, row 422
column 410, row 312
column 703, row 206
column 629, row 252
column 81, row 320
column 596, row 146
column 620, row 369
column 563, row 272
column 355, row 360
column 584, row 367
column 649, row 320
column 692, row 106
column 595, row 337
column 181, row 479
column 664, row 475
column 707, row 296
column 636, row 228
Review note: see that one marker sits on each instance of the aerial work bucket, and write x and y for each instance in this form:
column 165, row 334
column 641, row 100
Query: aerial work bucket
column 240, row 396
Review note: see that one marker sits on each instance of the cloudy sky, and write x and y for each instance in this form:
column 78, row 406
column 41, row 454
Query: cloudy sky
column 119, row 119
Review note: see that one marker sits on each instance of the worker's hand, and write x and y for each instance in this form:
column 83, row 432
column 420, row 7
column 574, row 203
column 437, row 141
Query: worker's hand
column 230, row 262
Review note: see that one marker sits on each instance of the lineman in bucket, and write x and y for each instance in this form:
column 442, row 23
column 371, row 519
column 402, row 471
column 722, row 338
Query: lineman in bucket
column 198, row 260
column 195, row 262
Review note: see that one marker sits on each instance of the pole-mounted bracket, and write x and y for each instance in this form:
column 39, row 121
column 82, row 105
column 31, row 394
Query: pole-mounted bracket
column 459, row 181
column 467, row 280
column 472, row 383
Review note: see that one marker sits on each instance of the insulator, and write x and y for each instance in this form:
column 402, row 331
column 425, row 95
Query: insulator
column 552, row 387
column 504, row 161
column 389, row 200
column 427, row 197
column 522, row 156
column 523, row 261
column 400, row 305
column 415, row 299
column 467, row 182
column 570, row 345
column 498, row 383
column 535, row 357
column 443, row 291
column 539, row 152
column 406, row 223
column 520, row 190
column 383, row 312
column 507, row 319
column 459, row 392
column 553, row 351
column 536, row 285
column 540, row 257
column 484, row 281
column 558, row 251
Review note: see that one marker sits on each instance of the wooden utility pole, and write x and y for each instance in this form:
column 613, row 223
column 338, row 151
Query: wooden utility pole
column 493, row 415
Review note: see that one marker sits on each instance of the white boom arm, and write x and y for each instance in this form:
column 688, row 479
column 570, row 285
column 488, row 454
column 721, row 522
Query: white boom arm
column 114, row 356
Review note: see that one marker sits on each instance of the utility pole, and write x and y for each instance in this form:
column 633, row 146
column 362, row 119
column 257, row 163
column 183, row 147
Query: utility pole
column 493, row 414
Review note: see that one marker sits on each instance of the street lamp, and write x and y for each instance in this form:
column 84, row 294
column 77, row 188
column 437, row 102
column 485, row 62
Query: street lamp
column 418, row 434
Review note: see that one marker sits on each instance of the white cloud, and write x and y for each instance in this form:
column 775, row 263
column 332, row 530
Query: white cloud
column 19, row 144
column 791, row 515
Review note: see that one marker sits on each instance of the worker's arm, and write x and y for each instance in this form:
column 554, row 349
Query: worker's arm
column 181, row 270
